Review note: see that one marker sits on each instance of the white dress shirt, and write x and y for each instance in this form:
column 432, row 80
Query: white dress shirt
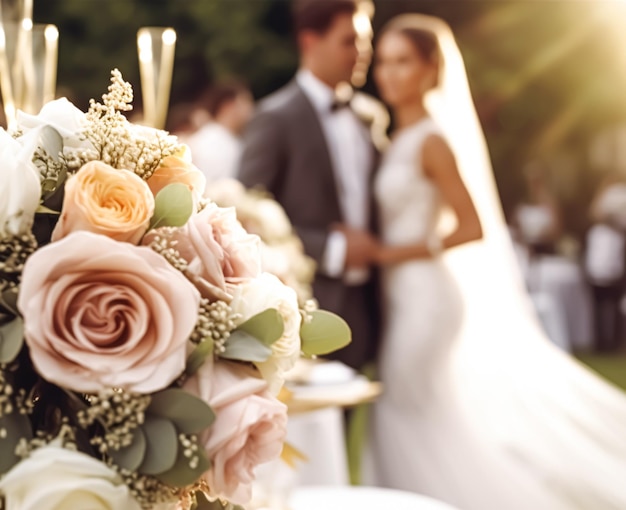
column 216, row 151
column 351, row 157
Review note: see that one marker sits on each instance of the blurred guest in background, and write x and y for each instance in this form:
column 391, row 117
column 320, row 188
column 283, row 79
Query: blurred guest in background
column 184, row 119
column 216, row 147
column 538, row 218
column 605, row 262
column 556, row 283
column 309, row 149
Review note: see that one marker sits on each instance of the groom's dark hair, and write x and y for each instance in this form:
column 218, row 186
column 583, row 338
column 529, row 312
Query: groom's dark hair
column 318, row 15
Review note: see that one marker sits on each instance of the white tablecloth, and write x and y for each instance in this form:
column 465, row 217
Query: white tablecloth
column 319, row 435
column 360, row 498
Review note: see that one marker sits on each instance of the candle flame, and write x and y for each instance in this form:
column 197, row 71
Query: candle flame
column 144, row 42
column 169, row 37
column 51, row 33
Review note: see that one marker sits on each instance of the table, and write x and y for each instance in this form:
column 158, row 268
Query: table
column 360, row 498
column 317, row 392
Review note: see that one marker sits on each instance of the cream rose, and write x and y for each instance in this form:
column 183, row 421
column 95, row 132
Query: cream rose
column 216, row 247
column 103, row 200
column 267, row 291
column 178, row 168
column 55, row 478
column 249, row 430
column 273, row 223
column 20, row 188
column 99, row 313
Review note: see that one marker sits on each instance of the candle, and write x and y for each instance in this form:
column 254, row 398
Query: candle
column 146, row 73
column 51, row 41
column 168, row 40
column 5, row 82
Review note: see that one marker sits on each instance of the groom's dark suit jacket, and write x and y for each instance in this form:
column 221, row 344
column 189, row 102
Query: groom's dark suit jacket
column 285, row 153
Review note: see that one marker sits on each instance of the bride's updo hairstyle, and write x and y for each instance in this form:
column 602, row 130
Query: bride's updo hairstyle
column 424, row 41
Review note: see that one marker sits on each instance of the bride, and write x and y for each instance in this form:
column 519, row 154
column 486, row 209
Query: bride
column 480, row 410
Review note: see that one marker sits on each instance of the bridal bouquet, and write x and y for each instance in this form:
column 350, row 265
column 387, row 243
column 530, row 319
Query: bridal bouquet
column 142, row 348
column 282, row 252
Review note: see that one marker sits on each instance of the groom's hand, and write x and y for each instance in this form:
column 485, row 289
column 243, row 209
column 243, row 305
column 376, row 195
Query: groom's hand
column 360, row 247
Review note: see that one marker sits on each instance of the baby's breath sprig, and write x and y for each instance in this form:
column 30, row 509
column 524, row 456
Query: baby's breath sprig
column 162, row 244
column 216, row 320
column 65, row 434
column 119, row 412
column 7, row 405
column 119, row 143
column 50, row 166
column 147, row 490
column 13, row 254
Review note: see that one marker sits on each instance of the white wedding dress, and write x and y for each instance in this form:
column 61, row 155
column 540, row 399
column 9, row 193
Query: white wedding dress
column 522, row 441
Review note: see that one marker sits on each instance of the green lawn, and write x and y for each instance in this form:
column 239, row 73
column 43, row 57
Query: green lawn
column 612, row 367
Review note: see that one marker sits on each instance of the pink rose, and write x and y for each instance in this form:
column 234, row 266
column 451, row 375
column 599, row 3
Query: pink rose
column 216, row 246
column 249, row 430
column 104, row 200
column 100, row 313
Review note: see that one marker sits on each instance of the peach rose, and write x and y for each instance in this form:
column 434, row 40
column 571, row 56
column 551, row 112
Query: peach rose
column 216, row 246
column 103, row 200
column 99, row 313
column 249, row 429
column 178, row 168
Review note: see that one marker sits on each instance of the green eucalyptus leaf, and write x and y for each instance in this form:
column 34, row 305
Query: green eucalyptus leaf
column 267, row 326
column 202, row 503
column 131, row 457
column 161, row 445
column 48, row 185
column 8, row 300
column 189, row 413
column 324, row 333
column 11, row 340
column 182, row 474
column 51, row 141
column 16, row 426
column 198, row 356
column 53, row 198
column 243, row 346
column 173, row 206
column 42, row 209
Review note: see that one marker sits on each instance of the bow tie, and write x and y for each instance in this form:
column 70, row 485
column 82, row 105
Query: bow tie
column 339, row 104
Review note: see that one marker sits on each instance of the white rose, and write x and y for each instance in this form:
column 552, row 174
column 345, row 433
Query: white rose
column 61, row 115
column 55, row 478
column 259, row 294
column 20, row 190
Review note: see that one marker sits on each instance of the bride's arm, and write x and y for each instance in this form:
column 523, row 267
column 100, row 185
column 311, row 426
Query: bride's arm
column 440, row 167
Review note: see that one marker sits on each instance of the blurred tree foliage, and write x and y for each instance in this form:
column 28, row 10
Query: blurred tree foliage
column 546, row 75
column 215, row 39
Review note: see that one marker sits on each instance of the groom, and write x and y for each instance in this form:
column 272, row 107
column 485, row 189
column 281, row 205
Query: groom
column 315, row 156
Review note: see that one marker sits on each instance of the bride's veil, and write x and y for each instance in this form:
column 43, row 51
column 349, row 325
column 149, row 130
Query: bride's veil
column 540, row 403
